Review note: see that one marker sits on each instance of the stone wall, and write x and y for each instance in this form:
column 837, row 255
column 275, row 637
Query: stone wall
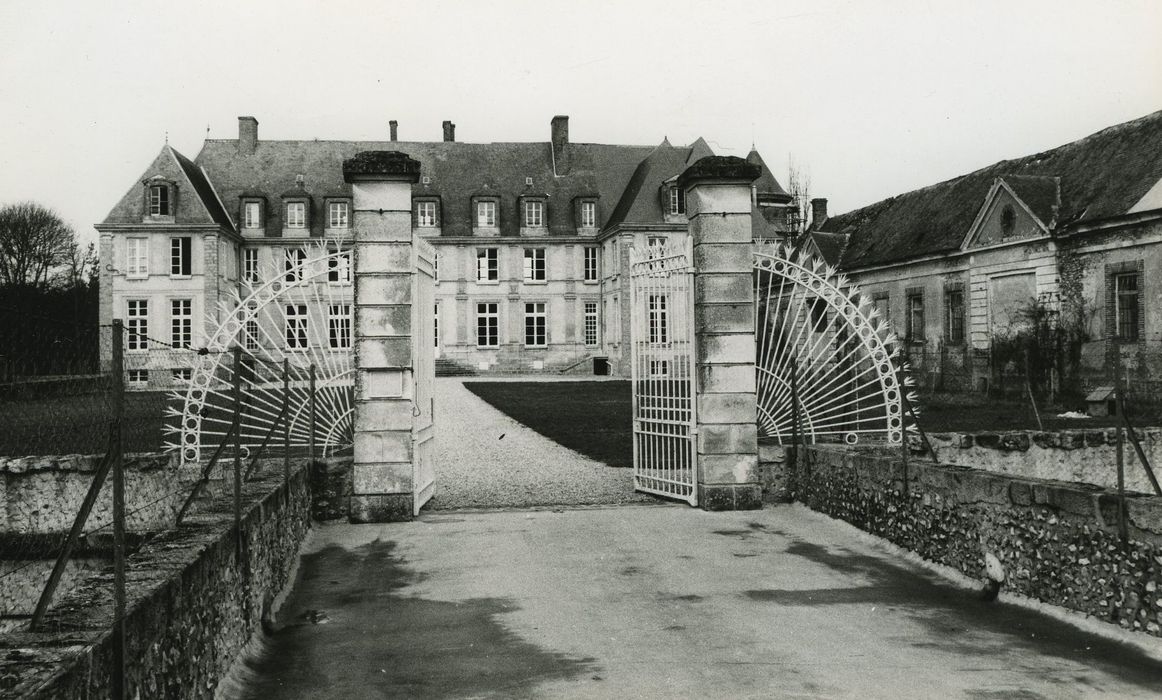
column 1058, row 542
column 40, row 495
column 192, row 605
column 1087, row 456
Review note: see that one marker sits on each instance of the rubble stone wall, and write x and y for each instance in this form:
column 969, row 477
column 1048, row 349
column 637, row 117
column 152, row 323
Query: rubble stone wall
column 193, row 603
column 1087, row 456
column 41, row 495
column 1058, row 542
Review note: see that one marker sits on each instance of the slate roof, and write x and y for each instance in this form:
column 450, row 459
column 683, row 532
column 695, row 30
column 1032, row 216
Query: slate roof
column 640, row 201
column 456, row 171
column 1041, row 193
column 829, row 245
column 766, row 183
column 204, row 189
column 1101, row 175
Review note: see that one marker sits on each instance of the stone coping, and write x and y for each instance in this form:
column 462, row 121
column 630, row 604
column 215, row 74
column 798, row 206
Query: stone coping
column 137, row 461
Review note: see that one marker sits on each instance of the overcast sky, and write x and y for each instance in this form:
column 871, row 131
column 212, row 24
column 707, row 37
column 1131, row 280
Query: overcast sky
column 872, row 98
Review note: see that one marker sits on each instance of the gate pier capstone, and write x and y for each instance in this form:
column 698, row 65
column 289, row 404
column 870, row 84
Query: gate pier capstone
column 718, row 204
column 382, row 472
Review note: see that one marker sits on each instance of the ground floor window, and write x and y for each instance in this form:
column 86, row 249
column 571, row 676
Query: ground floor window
column 915, row 316
column 250, row 341
column 182, row 375
column 658, row 321
column 535, row 325
column 487, row 324
column 137, row 324
column 181, row 317
column 138, row 377
column 339, row 326
column 1126, row 306
column 954, row 316
column 296, row 326
column 591, row 335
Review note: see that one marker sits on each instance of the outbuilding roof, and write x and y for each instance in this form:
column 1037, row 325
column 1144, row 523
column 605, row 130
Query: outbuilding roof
column 1102, row 175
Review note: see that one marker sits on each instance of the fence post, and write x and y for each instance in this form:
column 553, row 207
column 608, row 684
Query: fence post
column 117, row 676
column 286, row 427
column 1122, row 533
column 311, row 434
column 238, row 453
column 794, row 415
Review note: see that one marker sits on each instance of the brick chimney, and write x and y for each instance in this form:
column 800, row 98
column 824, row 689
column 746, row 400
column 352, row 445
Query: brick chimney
column 394, row 126
column 449, row 131
column 560, row 136
column 818, row 212
column 247, row 135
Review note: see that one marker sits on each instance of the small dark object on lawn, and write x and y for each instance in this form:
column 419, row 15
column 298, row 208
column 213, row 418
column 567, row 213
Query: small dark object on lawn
column 502, row 436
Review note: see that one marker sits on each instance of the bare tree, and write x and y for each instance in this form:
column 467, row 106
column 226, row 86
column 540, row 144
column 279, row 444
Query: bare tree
column 34, row 242
column 799, row 187
column 81, row 267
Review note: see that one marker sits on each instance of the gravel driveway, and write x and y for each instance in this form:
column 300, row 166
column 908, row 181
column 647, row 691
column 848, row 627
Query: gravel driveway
column 484, row 459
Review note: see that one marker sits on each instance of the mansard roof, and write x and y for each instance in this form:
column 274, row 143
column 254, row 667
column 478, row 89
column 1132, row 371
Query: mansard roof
column 1100, row 176
column 641, row 200
column 455, row 172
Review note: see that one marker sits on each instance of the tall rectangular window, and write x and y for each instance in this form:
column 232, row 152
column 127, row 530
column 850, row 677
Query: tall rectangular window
column 954, row 316
column 534, row 267
column 250, row 265
column 181, row 322
column 436, row 266
column 137, row 324
column 339, row 326
column 426, row 214
column 535, row 325
column 293, row 264
column 295, row 328
column 677, row 201
column 882, row 303
column 137, row 258
column 588, row 214
column 487, row 324
column 591, row 326
column 659, row 331
column 251, row 215
column 180, row 256
column 591, row 270
column 915, row 316
column 486, row 214
column 487, row 265
column 296, row 215
column 534, row 213
column 339, row 268
column 159, row 200
column 435, row 325
column 250, row 341
column 337, row 215
column 1126, row 290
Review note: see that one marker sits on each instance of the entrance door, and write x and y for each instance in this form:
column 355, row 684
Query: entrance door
column 662, row 353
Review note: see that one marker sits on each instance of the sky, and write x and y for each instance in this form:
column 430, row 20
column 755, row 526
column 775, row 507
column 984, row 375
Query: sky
column 869, row 98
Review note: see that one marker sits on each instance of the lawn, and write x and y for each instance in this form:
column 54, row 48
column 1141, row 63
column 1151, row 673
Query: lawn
column 593, row 418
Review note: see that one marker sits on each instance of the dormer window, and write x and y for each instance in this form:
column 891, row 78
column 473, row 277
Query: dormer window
column 486, row 214
column 677, row 201
column 586, row 212
column 159, row 200
column 426, row 214
column 296, row 215
column 534, row 213
column 251, row 215
column 338, row 215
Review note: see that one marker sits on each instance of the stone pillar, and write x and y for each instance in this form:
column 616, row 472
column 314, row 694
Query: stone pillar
column 381, row 185
column 719, row 208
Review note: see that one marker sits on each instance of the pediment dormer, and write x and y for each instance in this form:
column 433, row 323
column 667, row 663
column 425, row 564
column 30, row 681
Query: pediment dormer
column 172, row 190
column 1017, row 207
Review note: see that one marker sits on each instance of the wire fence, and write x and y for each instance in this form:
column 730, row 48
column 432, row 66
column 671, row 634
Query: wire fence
column 89, row 474
column 1063, row 378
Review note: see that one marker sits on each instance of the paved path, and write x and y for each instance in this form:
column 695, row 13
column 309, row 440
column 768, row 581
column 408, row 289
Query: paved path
column 484, row 459
column 658, row 602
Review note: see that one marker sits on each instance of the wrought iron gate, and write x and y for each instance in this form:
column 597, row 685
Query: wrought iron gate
column 662, row 361
column 827, row 365
column 424, row 368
